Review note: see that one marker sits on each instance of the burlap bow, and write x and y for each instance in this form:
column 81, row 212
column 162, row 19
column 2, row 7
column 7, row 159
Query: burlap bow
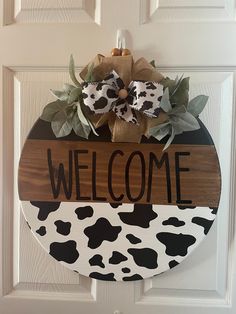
column 111, row 95
column 128, row 71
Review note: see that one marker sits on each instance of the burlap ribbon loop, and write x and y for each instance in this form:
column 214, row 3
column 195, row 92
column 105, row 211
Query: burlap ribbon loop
column 128, row 71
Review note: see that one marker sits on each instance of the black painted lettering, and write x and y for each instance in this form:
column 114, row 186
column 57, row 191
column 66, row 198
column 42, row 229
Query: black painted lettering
column 61, row 179
column 94, row 180
column 164, row 160
column 77, row 174
column 127, row 176
column 177, row 175
column 110, row 167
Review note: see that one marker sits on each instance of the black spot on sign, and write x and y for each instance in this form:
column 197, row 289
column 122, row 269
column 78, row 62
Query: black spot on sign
column 132, row 239
column 150, row 85
column 64, row 251
column 132, row 278
column 84, row 212
column 147, row 105
column 214, row 210
column 145, row 257
column 186, row 207
column 173, row 221
column 205, row 223
column 102, row 230
column 115, row 205
column 96, row 260
column 173, row 263
column 41, row 231
column 45, row 208
column 96, row 275
column 117, row 258
column 125, row 270
column 63, row 227
column 111, row 93
column 142, row 94
column 100, row 103
column 141, row 216
column 176, row 244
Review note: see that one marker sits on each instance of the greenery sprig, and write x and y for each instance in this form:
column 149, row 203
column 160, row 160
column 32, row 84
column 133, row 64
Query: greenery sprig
column 182, row 113
column 67, row 113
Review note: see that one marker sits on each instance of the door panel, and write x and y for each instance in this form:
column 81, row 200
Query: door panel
column 36, row 40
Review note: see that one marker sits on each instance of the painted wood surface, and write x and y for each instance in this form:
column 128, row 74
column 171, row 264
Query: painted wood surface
column 119, row 172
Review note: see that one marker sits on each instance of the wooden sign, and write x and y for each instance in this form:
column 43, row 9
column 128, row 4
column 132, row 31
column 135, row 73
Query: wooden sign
column 118, row 211
column 52, row 170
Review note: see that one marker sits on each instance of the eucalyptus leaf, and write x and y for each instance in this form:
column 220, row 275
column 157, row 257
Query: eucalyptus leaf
column 165, row 101
column 153, row 63
column 79, row 128
column 72, row 72
column 74, row 95
column 68, row 87
column 153, row 131
column 177, row 110
column 163, row 132
column 168, row 83
column 185, row 122
column 177, row 84
column 81, row 115
column 170, row 139
column 89, row 75
column 61, row 95
column 61, row 127
column 197, row 104
column 180, row 95
column 52, row 109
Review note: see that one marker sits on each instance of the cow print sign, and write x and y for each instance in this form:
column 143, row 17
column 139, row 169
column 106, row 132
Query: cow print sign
column 118, row 242
column 115, row 235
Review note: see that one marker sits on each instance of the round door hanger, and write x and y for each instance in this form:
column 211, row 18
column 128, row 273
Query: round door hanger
column 61, row 185
column 124, row 209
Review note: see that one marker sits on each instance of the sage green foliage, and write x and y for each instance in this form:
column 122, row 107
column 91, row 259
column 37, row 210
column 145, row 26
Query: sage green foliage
column 181, row 112
column 67, row 113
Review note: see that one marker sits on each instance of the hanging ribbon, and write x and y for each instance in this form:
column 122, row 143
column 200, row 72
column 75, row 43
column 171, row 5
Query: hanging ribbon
column 110, row 95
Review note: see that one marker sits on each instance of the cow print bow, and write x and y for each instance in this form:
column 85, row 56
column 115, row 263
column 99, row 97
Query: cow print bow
column 111, row 95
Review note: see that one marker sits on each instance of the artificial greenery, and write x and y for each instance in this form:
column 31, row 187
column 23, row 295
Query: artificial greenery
column 68, row 112
column 182, row 113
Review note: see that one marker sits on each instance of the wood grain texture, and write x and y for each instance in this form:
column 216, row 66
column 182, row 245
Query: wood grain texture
column 200, row 185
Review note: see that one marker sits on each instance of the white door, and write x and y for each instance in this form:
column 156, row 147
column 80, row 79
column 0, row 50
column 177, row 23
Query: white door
column 194, row 37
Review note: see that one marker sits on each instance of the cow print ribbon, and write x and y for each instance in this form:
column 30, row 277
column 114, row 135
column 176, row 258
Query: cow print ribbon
column 111, row 95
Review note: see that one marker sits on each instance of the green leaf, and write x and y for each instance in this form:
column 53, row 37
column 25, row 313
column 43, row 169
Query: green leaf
column 170, row 139
column 52, row 109
column 63, row 96
column 184, row 122
column 74, row 95
column 68, row 87
column 84, row 119
column 177, row 84
column 79, row 128
column 168, row 83
column 61, row 127
column 153, row 63
column 197, row 104
column 162, row 132
column 165, row 101
column 72, row 72
column 180, row 95
column 177, row 110
column 89, row 75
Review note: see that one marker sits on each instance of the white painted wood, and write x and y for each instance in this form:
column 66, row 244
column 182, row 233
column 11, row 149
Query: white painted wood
column 33, row 58
column 186, row 10
column 52, row 11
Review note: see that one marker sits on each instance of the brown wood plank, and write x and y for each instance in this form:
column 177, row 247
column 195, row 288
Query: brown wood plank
column 192, row 176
